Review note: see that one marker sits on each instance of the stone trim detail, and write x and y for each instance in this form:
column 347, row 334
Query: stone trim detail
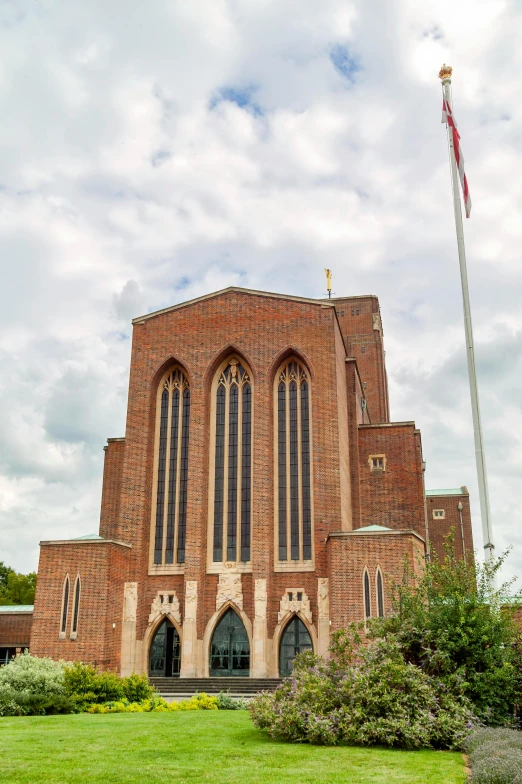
column 294, row 605
column 229, row 587
column 165, row 603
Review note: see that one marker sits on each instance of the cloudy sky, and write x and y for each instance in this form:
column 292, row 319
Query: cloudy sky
column 153, row 152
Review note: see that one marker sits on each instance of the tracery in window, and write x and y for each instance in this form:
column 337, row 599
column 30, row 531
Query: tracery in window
column 232, row 449
column 367, row 601
column 380, row 594
column 294, row 505
column 65, row 606
column 76, row 606
column 171, row 469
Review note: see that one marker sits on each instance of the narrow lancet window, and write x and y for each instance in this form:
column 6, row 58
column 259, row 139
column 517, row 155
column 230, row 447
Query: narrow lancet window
column 380, row 595
column 76, row 606
column 232, row 436
column 294, row 487
column 65, row 606
column 170, row 512
column 367, row 602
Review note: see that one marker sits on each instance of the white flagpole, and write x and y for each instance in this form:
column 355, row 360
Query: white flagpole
column 445, row 76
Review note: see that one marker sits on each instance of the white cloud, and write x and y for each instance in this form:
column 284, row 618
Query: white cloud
column 154, row 154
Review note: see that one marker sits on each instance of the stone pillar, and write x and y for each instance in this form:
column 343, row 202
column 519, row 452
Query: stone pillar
column 128, row 629
column 323, row 616
column 189, row 668
column 259, row 666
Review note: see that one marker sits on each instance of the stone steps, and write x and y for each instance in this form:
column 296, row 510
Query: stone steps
column 235, row 686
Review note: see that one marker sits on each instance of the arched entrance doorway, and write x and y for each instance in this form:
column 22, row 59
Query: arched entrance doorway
column 296, row 639
column 165, row 651
column 230, row 647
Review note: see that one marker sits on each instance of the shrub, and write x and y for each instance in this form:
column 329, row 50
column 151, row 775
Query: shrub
column 454, row 623
column 226, row 702
column 495, row 756
column 137, row 688
column 376, row 698
column 26, row 673
column 87, row 685
column 155, row 705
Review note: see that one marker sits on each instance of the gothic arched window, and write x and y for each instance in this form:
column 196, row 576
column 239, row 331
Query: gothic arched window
column 380, row 593
column 76, row 606
column 65, row 606
column 367, row 600
column 169, row 512
column 293, row 443
column 231, row 449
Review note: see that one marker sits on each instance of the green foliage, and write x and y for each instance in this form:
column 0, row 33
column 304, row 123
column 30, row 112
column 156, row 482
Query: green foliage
column 16, row 588
column 87, row 686
column 364, row 695
column 495, row 756
column 26, row 673
column 454, row 624
column 226, row 702
column 200, row 701
column 137, row 688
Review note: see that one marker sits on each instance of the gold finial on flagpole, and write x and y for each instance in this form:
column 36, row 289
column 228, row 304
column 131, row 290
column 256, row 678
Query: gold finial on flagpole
column 445, row 73
column 329, row 282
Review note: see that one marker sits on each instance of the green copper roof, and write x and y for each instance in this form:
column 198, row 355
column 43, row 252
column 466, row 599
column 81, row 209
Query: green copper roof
column 373, row 528
column 87, row 536
column 14, row 608
column 450, row 491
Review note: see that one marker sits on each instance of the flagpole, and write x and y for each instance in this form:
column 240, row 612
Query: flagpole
column 445, row 76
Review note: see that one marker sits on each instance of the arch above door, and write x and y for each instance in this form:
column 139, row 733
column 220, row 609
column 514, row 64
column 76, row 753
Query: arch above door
column 294, row 640
column 229, row 654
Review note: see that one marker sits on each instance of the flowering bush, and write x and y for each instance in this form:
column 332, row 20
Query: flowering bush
column 495, row 756
column 156, row 705
column 364, row 696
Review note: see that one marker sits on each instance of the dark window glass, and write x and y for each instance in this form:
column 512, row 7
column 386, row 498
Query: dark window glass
column 294, row 475
column 173, row 475
column 219, row 474
column 367, row 606
column 183, row 477
column 305, row 473
column 295, row 640
column 246, row 472
column 65, row 605
column 162, row 457
column 232, row 474
column 230, row 647
column 165, row 651
column 76, row 605
column 281, row 463
column 380, row 597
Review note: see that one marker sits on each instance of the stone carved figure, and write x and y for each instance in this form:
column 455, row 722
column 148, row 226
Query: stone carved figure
column 130, row 602
column 260, row 599
column 295, row 600
column 229, row 587
column 376, row 321
column 191, row 599
column 165, row 603
column 323, row 605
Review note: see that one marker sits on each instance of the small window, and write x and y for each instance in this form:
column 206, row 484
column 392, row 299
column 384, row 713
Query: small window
column 367, row 602
column 363, row 348
column 76, row 608
column 290, row 596
column 377, row 462
column 65, row 607
column 380, row 594
column 357, row 312
column 299, row 597
column 439, row 514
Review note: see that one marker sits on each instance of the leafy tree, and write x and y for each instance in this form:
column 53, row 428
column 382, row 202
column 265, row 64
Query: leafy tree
column 16, row 588
column 453, row 623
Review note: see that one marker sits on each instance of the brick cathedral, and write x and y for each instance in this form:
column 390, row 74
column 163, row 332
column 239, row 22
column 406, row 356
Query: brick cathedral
column 259, row 500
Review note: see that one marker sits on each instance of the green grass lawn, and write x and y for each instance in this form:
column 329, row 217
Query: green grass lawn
column 201, row 746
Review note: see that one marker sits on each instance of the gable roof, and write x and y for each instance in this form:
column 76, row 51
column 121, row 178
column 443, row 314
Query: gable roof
column 307, row 300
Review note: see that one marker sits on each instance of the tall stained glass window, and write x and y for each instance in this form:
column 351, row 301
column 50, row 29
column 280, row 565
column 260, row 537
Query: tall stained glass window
column 76, row 605
column 232, row 446
column 380, row 594
column 171, row 461
column 65, row 606
column 294, row 489
column 367, row 601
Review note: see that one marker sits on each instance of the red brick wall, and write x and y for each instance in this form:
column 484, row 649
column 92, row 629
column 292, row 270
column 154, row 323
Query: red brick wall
column 15, row 630
column 365, row 344
column 395, row 497
column 348, row 556
column 103, row 569
column 111, row 488
column 439, row 529
column 264, row 330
